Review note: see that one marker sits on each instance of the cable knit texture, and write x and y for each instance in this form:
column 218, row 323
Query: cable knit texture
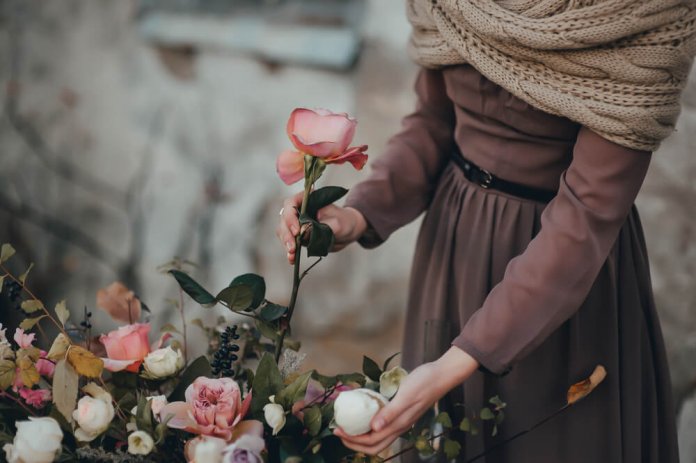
column 615, row 66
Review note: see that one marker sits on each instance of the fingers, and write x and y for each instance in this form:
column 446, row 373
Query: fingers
column 372, row 449
column 289, row 225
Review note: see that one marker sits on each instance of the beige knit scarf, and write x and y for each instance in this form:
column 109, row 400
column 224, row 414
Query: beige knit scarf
column 615, row 66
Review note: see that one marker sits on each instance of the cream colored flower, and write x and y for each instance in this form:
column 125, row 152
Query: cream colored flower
column 94, row 413
column 275, row 416
column 37, row 441
column 164, row 362
column 353, row 410
column 389, row 381
column 140, row 443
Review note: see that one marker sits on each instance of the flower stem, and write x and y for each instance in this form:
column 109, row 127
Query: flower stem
column 297, row 278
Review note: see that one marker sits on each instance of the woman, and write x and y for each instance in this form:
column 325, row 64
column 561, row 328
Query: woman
column 533, row 132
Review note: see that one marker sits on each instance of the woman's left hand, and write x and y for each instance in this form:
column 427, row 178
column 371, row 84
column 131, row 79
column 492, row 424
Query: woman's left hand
column 417, row 393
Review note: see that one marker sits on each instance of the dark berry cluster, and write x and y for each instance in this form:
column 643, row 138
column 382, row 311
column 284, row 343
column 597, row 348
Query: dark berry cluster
column 225, row 355
column 86, row 322
column 12, row 290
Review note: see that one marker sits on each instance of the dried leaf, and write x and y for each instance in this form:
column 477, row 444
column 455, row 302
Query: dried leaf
column 582, row 389
column 32, row 305
column 7, row 373
column 62, row 312
column 27, row 371
column 58, row 348
column 28, row 323
column 2, row 282
column 65, row 383
column 169, row 328
column 23, row 276
column 6, row 252
column 85, row 363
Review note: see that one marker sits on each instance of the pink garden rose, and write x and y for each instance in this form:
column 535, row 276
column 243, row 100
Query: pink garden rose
column 213, row 407
column 126, row 347
column 119, row 302
column 323, row 134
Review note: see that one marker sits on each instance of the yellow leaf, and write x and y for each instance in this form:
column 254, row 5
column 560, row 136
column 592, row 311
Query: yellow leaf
column 32, row 305
column 6, row 252
column 27, row 371
column 58, row 348
column 582, row 389
column 31, row 352
column 7, row 373
column 85, row 363
column 62, row 312
column 28, row 323
column 23, row 276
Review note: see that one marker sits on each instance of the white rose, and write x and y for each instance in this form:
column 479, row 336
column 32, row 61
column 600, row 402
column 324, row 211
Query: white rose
column 158, row 403
column 353, row 410
column 37, row 441
column 140, row 443
column 163, row 362
column 94, row 413
column 209, row 450
column 274, row 416
column 389, row 381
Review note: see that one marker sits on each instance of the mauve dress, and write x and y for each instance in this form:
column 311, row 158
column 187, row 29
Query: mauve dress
column 538, row 293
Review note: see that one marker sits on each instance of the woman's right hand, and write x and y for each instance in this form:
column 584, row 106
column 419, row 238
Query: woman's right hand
column 347, row 224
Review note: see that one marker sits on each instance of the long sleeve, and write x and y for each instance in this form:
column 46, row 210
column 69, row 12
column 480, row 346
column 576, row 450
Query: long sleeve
column 546, row 284
column 403, row 179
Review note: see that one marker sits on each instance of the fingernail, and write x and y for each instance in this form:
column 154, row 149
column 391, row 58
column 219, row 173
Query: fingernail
column 288, row 245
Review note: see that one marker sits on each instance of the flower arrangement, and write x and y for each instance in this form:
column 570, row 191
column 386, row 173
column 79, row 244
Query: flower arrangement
column 125, row 396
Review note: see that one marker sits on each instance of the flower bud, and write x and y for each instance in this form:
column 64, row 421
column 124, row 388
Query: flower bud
column 94, row 413
column 354, row 410
column 389, row 381
column 274, row 416
column 164, row 362
column 140, row 443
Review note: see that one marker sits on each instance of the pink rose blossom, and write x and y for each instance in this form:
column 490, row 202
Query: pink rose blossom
column 126, row 347
column 119, row 302
column 45, row 367
column 23, row 340
column 323, row 134
column 213, row 407
column 35, row 397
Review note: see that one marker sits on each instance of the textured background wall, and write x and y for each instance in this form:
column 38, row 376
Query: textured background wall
column 116, row 156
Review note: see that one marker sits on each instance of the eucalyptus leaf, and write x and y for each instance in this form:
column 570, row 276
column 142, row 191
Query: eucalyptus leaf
column 271, row 312
column 257, row 285
column 371, row 369
column 6, row 252
column 237, row 298
column 193, row 289
column 322, row 197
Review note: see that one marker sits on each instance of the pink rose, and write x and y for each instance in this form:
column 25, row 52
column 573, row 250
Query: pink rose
column 35, row 397
column 213, row 407
column 119, row 302
column 322, row 134
column 45, row 367
column 126, row 347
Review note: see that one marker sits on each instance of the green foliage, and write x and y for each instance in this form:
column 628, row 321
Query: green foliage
column 197, row 292
column 32, row 305
column 322, row 197
column 452, row 449
column 267, row 382
column 271, row 312
column 257, row 286
column 321, row 237
column 371, row 369
column 388, row 361
column 294, row 392
column 199, row 367
column 143, row 416
column 62, row 312
column 313, row 420
column 6, row 252
column 7, row 373
column 65, row 388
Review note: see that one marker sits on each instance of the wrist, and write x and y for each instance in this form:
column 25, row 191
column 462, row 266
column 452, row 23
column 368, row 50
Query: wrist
column 359, row 224
column 454, row 367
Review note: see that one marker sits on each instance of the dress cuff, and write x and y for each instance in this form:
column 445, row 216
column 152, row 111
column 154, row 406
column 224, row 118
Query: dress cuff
column 487, row 362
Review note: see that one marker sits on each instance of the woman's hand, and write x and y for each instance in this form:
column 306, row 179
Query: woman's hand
column 346, row 223
column 417, row 393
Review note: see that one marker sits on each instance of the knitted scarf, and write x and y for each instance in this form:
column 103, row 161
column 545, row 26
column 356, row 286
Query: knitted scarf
column 615, row 66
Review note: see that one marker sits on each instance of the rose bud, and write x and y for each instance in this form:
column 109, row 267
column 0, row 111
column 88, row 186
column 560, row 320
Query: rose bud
column 275, row 416
column 37, row 440
column 140, row 443
column 162, row 363
column 389, row 381
column 353, row 410
column 94, row 413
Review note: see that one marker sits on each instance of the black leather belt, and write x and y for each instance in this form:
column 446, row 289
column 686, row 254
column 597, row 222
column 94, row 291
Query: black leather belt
column 485, row 179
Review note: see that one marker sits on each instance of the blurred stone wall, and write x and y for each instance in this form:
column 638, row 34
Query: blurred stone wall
column 116, row 156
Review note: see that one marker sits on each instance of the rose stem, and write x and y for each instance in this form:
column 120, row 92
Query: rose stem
column 17, row 401
column 183, row 323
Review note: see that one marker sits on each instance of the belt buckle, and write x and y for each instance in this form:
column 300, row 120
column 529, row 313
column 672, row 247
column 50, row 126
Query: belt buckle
column 486, row 180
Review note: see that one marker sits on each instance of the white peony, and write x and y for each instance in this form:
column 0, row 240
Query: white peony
column 205, row 449
column 354, row 409
column 389, row 381
column 37, row 441
column 93, row 414
column 275, row 416
column 164, row 362
column 140, row 443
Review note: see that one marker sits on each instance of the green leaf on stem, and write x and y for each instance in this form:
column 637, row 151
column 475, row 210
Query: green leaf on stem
column 32, row 305
column 388, row 361
column 143, row 416
column 325, row 381
column 6, row 252
column 193, row 289
column 268, row 330
column 312, row 420
column 465, row 425
column 486, row 414
column 65, row 386
column 7, row 373
column 28, row 323
column 23, row 277
column 322, row 197
column 199, row 367
column 371, row 369
column 349, row 378
column 499, row 404
column 237, row 298
column 452, row 449
column 444, row 419
column 294, row 392
column 62, row 312
column 267, row 382
column 271, row 312
column 257, row 285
